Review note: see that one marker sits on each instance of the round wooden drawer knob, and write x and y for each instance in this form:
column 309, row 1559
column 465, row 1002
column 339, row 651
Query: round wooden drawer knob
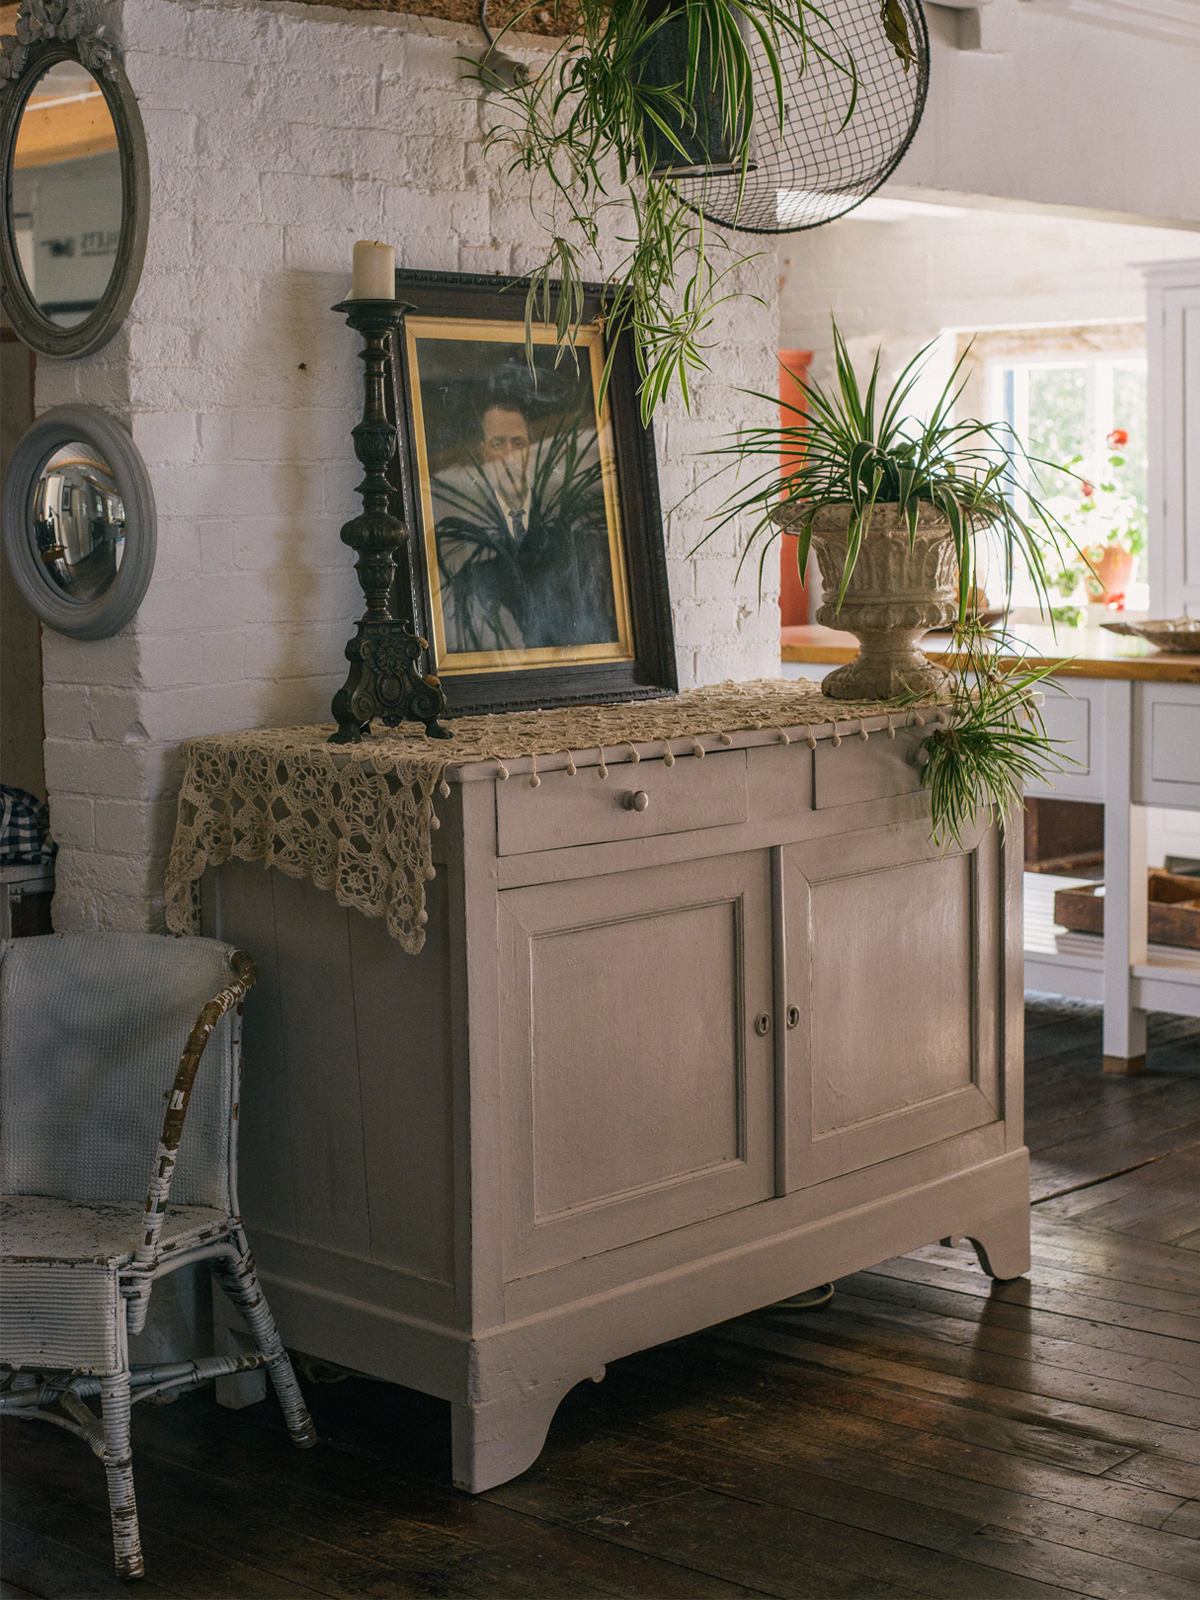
column 635, row 799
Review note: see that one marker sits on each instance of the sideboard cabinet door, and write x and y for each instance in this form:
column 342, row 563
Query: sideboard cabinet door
column 637, row 1055
column 891, row 947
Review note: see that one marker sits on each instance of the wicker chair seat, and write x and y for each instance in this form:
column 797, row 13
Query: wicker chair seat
column 60, row 1275
column 38, row 1227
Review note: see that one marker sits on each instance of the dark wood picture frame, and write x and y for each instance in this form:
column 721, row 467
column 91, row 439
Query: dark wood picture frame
column 647, row 671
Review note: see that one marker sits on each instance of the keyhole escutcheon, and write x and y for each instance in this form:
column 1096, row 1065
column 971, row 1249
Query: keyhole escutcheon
column 793, row 1016
column 762, row 1023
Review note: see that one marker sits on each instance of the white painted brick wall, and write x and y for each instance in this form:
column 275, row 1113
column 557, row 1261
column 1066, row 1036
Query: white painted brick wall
column 278, row 134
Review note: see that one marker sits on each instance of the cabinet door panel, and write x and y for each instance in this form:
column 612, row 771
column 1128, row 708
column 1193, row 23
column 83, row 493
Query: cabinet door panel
column 896, row 1046
column 638, row 1089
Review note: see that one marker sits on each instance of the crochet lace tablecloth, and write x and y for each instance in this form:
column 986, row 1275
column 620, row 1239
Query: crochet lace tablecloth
column 358, row 819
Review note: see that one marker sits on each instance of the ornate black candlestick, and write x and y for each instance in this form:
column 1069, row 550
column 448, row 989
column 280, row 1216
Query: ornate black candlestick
column 384, row 681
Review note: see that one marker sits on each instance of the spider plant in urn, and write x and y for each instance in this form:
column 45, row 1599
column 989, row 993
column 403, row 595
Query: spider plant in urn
column 896, row 509
column 642, row 93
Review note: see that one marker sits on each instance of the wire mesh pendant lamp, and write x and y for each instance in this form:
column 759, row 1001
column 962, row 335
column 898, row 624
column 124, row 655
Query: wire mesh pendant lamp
column 818, row 164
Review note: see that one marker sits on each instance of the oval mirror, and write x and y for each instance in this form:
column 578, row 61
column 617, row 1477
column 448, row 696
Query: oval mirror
column 65, row 197
column 74, row 227
column 79, row 525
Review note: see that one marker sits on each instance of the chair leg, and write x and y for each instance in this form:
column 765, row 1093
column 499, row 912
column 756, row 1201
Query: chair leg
column 240, row 1281
column 118, row 1467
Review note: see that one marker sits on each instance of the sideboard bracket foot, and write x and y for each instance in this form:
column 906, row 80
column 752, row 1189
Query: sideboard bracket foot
column 498, row 1441
column 1001, row 1243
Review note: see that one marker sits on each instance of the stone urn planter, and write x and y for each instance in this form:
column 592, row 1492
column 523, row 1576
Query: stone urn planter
column 896, row 593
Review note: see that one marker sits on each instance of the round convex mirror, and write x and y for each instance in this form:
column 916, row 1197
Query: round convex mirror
column 79, row 522
column 79, row 525
column 74, row 228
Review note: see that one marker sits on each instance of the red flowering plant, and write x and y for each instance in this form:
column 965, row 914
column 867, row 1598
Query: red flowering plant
column 1107, row 527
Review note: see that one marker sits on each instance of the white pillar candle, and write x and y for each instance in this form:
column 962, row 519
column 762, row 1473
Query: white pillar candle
column 374, row 271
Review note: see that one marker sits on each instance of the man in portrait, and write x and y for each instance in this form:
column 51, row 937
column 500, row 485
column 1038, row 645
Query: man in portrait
column 521, row 529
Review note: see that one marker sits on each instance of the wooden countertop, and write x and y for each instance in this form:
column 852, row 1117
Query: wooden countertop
column 1074, row 652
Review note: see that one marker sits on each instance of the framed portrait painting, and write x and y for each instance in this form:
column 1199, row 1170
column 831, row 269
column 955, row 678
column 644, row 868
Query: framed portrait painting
column 539, row 574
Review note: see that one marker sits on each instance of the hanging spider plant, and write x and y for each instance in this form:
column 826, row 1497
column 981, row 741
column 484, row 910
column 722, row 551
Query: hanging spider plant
column 606, row 125
column 994, row 741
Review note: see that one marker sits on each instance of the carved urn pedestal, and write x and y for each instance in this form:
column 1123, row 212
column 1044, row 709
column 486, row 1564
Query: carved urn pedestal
column 900, row 588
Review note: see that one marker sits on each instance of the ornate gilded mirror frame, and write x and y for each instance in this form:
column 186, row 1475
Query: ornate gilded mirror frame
column 49, row 31
column 29, row 557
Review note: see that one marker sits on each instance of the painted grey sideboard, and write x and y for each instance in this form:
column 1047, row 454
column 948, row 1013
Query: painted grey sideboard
column 653, row 1069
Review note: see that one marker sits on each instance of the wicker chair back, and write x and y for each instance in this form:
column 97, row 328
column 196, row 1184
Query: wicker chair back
column 91, row 1031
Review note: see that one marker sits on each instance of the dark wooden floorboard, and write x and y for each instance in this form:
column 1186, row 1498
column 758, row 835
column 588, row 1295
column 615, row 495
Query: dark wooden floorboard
column 1082, row 1127
column 1075, row 1320
column 862, row 1316
column 1091, row 1352
column 794, row 1462
column 929, row 1433
column 46, row 1566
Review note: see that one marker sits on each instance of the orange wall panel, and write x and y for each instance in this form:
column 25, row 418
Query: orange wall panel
column 793, row 597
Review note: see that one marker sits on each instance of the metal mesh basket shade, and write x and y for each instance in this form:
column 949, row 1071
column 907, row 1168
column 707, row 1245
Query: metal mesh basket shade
column 811, row 169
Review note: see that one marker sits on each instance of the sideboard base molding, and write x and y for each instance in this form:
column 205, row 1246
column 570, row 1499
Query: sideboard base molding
column 506, row 1383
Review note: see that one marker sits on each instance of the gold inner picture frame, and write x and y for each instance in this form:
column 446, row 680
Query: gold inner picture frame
column 517, row 479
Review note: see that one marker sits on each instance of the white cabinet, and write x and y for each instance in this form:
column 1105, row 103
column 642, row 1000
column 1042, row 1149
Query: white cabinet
column 1137, row 744
column 1173, row 349
column 654, row 1068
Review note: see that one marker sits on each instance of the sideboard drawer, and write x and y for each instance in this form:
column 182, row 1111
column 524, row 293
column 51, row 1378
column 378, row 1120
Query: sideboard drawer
column 856, row 771
column 709, row 792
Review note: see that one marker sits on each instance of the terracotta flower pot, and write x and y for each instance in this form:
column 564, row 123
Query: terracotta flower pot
column 1112, row 568
column 895, row 595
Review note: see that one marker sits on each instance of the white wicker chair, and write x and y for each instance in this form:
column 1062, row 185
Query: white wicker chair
column 91, row 1028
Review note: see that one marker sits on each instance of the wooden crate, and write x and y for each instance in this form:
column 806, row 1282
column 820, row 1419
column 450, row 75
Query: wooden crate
column 1062, row 835
column 1174, row 909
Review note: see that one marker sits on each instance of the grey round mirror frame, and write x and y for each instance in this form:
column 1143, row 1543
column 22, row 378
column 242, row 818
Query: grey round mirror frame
column 110, row 611
column 25, row 61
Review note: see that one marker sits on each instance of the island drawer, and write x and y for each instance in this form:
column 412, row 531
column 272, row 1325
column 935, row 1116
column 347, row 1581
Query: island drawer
column 587, row 809
column 1074, row 718
column 1167, row 745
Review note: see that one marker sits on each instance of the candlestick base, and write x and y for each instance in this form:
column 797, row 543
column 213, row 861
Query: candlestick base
column 384, row 683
